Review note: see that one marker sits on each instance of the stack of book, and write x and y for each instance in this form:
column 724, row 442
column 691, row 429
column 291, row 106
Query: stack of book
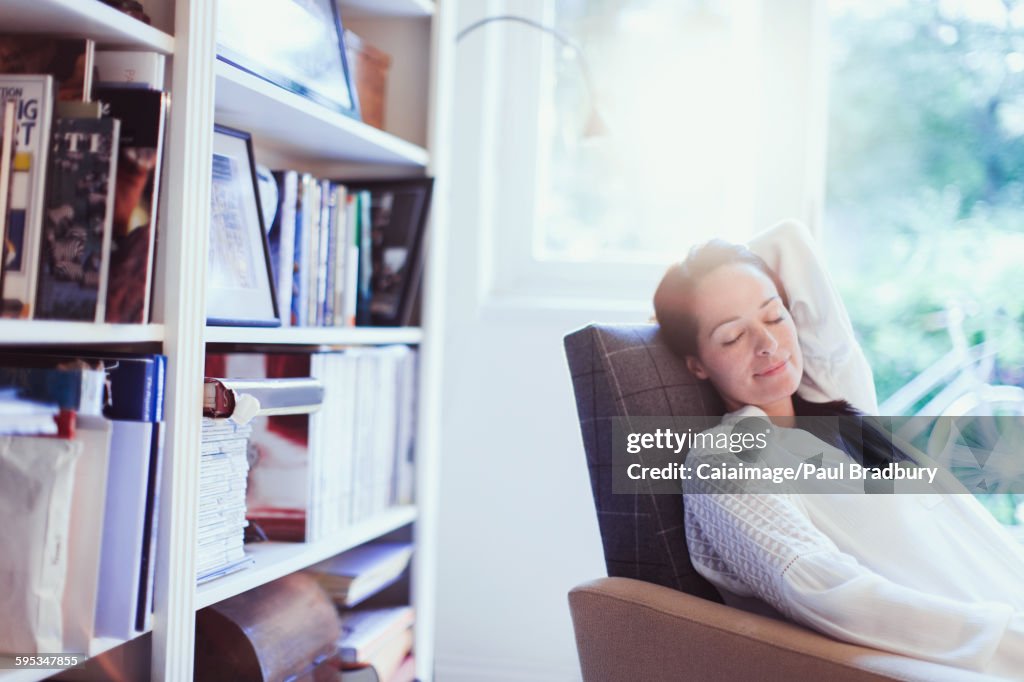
column 87, row 507
column 222, row 482
column 78, row 221
column 273, row 395
column 378, row 638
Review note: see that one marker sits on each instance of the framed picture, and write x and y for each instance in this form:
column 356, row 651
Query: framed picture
column 238, row 290
column 398, row 219
column 296, row 44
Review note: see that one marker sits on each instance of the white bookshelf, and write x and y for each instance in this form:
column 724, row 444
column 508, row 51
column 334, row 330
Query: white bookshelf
column 98, row 646
column 294, row 133
column 82, row 18
column 277, row 559
column 315, row 336
column 279, row 118
column 33, row 332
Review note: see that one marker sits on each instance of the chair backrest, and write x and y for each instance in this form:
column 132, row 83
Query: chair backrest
column 627, row 371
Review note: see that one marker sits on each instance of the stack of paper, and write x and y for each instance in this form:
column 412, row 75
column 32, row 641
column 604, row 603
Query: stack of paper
column 222, row 479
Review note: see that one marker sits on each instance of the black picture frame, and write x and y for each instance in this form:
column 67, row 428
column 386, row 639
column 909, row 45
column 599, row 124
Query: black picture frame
column 399, row 211
column 299, row 47
column 239, row 289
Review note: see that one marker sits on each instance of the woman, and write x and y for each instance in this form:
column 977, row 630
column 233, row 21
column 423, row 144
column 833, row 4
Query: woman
column 928, row 576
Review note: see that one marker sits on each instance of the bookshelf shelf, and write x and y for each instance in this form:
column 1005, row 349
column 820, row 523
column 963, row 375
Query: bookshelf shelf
column 387, row 8
column 279, row 118
column 277, row 559
column 96, row 647
column 315, row 336
column 40, row 332
column 84, row 18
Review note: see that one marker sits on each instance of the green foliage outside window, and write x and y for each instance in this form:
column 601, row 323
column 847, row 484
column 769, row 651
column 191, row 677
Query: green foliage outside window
column 925, row 205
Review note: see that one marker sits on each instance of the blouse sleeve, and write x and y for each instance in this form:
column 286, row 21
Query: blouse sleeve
column 767, row 542
column 834, row 364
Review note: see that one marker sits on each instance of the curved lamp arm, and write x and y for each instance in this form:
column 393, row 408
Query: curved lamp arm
column 595, row 123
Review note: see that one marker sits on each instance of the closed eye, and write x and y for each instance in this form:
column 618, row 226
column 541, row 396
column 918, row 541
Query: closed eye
column 732, row 341
column 777, row 320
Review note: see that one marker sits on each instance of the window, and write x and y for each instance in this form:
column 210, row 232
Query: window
column 924, row 219
column 674, row 85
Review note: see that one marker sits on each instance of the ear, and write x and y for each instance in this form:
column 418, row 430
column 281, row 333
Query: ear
column 696, row 368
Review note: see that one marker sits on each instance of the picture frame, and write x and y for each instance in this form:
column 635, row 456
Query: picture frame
column 295, row 44
column 399, row 211
column 238, row 284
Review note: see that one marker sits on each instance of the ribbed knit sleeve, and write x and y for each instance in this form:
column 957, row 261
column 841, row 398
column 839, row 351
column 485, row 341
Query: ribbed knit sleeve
column 764, row 545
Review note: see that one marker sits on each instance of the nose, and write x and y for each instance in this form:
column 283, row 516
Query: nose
column 766, row 343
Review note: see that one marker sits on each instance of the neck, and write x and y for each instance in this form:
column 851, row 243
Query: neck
column 781, row 411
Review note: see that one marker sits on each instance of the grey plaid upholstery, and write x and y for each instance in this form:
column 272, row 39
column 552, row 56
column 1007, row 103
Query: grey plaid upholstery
column 627, row 371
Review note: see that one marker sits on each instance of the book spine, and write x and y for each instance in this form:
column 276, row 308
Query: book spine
column 365, row 260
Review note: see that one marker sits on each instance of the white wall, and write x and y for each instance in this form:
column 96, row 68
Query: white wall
column 516, row 526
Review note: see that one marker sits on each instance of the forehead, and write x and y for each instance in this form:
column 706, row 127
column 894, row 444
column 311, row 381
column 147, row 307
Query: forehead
column 734, row 290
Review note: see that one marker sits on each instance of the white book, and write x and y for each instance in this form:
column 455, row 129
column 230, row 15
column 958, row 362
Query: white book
column 289, row 190
column 35, row 97
column 130, row 67
column 8, row 112
column 88, row 502
column 124, row 528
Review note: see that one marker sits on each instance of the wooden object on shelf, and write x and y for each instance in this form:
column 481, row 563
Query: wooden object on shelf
column 369, row 67
column 282, row 629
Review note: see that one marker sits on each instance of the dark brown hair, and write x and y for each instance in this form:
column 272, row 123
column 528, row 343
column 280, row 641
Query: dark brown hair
column 673, row 299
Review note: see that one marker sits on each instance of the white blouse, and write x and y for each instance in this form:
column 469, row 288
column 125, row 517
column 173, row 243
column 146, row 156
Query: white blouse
column 930, row 576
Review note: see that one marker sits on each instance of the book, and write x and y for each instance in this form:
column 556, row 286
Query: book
column 21, row 417
column 39, row 475
column 135, row 382
column 365, row 277
column 292, row 395
column 134, row 68
column 365, row 631
column 359, row 573
column 69, row 60
column 300, row 271
column 34, row 96
column 281, row 240
column 72, row 388
column 8, row 112
column 143, row 115
column 85, row 533
column 133, row 453
column 74, row 258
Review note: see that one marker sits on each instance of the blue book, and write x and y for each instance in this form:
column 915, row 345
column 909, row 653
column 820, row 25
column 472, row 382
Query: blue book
column 80, row 390
column 135, row 381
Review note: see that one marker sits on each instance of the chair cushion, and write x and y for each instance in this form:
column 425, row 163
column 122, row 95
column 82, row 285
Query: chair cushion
column 627, row 371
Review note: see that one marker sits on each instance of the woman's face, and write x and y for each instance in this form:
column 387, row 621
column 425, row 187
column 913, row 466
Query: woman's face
column 746, row 341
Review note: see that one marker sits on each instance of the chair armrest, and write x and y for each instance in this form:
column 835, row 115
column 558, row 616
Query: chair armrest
column 633, row 630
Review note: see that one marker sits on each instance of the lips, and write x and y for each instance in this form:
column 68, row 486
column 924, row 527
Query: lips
column 773, row 370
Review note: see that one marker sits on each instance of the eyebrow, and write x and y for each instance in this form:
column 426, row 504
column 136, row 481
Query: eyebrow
column 733, row 319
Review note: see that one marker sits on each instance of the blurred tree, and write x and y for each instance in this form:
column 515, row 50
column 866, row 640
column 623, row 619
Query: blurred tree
column 926, row 177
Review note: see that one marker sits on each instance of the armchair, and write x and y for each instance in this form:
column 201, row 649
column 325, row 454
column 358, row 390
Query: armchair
column 655, row 618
